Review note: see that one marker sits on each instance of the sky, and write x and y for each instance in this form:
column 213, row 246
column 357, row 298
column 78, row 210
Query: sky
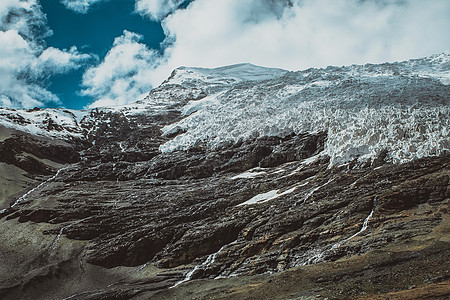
column 88, row 53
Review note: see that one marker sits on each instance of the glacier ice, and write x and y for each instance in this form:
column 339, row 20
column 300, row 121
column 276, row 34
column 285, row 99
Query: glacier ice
column 400, row 108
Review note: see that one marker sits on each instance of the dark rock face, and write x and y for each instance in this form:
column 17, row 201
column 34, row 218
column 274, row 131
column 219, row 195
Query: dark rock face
column 24, row 150
column 124, row 203
column 102, row 213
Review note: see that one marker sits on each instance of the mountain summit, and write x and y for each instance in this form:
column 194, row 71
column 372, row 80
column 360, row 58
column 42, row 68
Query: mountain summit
column 329, row 183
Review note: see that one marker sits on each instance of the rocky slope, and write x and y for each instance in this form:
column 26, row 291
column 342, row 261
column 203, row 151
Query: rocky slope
column 239, row 182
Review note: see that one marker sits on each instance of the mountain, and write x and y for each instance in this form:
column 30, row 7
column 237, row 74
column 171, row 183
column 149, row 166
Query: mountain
column 239, row 182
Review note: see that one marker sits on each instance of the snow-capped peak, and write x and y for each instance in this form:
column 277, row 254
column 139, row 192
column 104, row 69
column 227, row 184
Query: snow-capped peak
column 218, row 78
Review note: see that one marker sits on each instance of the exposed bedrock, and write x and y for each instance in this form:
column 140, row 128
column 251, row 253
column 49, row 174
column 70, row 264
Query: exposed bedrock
column 190, row 207
column 280, row 185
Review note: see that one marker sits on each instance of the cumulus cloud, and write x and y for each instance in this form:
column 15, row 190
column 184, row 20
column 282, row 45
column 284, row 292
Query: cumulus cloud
column 125, row 75
column 53, row 60
column 25, row 62
column 80, row 6
column 157, row 9
column 289, row 34
column 306, row 33
column 25, row 17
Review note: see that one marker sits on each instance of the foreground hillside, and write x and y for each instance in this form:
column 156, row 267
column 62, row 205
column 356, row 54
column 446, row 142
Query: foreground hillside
column 240, row 182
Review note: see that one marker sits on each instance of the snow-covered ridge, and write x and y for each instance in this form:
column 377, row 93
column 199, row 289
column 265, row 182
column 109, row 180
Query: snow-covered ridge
column 52, row 123
column 214, row 80
column 402, row 108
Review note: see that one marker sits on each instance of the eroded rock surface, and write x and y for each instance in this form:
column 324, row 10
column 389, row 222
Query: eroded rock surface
column 188, row 208
column 264, row 216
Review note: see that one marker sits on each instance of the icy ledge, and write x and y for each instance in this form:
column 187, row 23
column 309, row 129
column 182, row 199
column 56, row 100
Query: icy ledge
column 400, row 109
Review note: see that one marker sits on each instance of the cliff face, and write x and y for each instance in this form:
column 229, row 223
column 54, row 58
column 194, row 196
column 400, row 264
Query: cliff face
column 280, row 185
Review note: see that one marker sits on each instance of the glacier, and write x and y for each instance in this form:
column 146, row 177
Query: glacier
column 399, row 110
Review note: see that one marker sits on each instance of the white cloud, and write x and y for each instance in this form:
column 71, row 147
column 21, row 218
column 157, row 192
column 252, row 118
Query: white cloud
column 289, row 34
column 80, row 6
column 157, row 9
column 16, row 56
column 25, row 16
column 299, row 34
column 310, row 33
column 24, row 60
column 59, row 61
column 125, row 75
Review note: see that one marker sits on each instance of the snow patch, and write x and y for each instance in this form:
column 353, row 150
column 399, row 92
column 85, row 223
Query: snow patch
column 249, row 174
column 264, row 197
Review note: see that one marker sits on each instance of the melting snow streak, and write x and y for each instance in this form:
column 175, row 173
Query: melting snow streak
column 320, row 254
column 25, row 196
column 209, row 261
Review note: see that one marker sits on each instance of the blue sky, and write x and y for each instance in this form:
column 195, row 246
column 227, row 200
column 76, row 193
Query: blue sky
column 93, row 32
column 90, row 53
